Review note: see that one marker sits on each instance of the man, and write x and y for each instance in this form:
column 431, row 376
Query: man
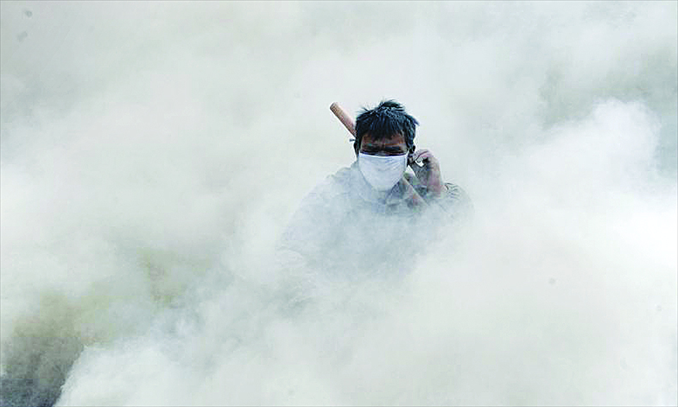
column 374, row 218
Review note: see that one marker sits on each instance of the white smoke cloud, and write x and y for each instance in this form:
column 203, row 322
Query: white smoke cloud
column 152, row 153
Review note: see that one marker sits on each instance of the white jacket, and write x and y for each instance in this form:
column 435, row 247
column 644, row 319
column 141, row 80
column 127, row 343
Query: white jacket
column 345, row 227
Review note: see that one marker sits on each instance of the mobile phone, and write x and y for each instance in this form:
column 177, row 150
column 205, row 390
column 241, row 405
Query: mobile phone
column 411, row 162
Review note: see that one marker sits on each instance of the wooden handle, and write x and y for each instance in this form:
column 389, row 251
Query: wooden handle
column 343, row 117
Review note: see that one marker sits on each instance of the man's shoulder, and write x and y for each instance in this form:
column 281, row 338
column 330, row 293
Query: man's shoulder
column 342, row 177
column 456, row 193
column 333, row 186
column 457, row 202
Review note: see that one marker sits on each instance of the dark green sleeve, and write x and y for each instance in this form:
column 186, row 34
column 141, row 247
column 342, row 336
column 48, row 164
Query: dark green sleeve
column 456, row 203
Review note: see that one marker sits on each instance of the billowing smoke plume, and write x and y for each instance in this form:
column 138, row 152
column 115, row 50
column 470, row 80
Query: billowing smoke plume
column 152, row 153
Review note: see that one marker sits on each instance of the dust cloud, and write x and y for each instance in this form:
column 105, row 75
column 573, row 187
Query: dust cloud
column 153, row 152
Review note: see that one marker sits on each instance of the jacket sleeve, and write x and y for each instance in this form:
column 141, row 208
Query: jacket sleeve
column 456, row 203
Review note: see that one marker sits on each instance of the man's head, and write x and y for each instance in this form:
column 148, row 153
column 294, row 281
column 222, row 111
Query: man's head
column 384, row 129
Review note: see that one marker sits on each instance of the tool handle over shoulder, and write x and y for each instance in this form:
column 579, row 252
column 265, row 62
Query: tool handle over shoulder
column 344, row 118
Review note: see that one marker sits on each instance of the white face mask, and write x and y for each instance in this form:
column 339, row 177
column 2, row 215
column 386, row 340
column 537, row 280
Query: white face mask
column 382, row 172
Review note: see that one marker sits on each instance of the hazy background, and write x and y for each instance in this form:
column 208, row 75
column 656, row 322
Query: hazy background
column 153, row 152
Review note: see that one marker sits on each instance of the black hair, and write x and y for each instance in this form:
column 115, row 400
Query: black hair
column 384, row 121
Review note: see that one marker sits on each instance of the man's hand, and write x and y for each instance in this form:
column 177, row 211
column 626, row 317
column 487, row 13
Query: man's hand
column 428, row 173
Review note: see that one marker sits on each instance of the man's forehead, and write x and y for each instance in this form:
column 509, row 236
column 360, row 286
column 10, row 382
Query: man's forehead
column 394, row 139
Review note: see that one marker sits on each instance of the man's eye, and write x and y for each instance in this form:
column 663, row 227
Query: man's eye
column 379, row 151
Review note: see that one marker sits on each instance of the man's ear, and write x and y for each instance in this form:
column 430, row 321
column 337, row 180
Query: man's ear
column 410, row 154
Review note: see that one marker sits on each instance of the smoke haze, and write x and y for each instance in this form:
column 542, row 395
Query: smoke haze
column 153, row 152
